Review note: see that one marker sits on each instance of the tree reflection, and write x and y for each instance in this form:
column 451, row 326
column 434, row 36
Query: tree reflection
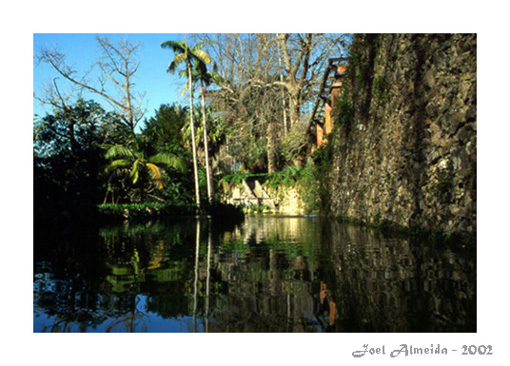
column 132, row 321
column 265, row 275
column 195, row 283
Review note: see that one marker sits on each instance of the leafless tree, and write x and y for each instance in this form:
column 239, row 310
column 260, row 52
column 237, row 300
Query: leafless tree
column 268, row 78
column 118, row 65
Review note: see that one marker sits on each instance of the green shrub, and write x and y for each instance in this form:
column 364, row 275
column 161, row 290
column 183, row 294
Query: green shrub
column 143, row 210
column 228, row 181
column 287, row 177
column 256, row 208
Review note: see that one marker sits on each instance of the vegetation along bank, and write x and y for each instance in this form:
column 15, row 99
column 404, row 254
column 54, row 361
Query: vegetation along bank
column 379, row 129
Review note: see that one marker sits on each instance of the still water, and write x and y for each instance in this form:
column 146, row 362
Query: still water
column 266, row 274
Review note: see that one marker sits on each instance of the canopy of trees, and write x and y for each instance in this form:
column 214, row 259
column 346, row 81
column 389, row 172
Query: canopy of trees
column 255, row 93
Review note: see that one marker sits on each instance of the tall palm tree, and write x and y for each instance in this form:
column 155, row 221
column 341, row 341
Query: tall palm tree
column 206, row 78
column 184, row 54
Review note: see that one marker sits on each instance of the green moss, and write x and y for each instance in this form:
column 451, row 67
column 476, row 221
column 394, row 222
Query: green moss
column 344, row 113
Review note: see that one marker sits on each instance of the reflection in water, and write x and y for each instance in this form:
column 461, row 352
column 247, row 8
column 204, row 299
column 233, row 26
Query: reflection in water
column 269, row 274
column 399, row 285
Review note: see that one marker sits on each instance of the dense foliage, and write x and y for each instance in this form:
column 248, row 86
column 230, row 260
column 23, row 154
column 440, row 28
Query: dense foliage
column 251, row 119
column 69, row 152
column 84, row 155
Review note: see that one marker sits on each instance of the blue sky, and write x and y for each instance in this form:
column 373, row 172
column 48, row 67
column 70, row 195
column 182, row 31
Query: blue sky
column 82, row 51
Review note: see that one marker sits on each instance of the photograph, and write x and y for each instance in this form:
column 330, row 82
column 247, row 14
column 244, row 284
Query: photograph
column 255, row 183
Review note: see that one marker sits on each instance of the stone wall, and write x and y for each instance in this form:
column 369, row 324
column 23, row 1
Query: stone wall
column 283, row 200
column 289, row 201
column 405, row 139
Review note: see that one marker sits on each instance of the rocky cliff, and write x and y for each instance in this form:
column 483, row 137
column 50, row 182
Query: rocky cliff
column 404, row 146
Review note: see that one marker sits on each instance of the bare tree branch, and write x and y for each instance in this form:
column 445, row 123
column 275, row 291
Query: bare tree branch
column 117, row 64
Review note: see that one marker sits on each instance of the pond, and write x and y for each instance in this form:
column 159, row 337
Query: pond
column 266, row 274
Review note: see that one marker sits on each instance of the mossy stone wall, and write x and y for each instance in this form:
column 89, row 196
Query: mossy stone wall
column 405, row 150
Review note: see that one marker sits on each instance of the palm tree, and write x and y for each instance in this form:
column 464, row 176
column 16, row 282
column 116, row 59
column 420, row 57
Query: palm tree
column 206, row 78
column 187, row 55
column 142, row 172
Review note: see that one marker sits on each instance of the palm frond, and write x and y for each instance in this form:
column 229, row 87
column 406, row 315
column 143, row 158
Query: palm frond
column 135, row 171
column 117, row 164
column 180, row 49
column 119, row 151
column 199, row 45
column 156, row 175
column 179, row 59
column 202, row 56
column 176, row 46
column 170, row 160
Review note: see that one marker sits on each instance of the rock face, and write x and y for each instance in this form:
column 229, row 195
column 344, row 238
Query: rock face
column 404, row 149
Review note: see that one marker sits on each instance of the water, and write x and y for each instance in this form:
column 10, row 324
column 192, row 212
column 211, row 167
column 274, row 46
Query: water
column 267, row 274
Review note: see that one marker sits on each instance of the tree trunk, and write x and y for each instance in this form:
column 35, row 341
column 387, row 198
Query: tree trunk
column 206, row 150
column 294, row 108
column 129, row 108
column 271, row 157
column 72, row 137
column 193, row 140
column 283, row 93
